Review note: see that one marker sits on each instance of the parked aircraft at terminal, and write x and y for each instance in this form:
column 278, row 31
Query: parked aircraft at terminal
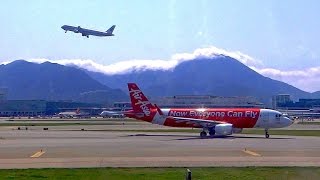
column 72, row 114
column 113, row 113
column 216, row 121
column 87, row 32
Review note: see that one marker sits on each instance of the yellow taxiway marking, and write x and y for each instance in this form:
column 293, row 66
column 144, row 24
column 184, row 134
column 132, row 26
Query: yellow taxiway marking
column 38, row 154
column 251, row 152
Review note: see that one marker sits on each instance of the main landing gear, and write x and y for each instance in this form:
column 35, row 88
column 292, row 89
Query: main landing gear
column 266, row 133
column 203, row 133
column 212, row 132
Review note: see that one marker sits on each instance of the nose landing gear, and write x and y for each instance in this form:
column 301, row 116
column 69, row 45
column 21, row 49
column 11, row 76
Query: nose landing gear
column 266, row 133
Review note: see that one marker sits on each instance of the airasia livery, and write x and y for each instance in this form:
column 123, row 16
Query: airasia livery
column 215, row 121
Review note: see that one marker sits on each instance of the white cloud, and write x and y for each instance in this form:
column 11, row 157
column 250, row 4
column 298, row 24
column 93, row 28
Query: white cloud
column 305, row 79
column 136, row 64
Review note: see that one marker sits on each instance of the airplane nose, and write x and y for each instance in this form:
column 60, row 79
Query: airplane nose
column 287, row 121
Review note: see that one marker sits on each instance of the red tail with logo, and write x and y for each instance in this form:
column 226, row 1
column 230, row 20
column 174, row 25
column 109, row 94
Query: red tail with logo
column 141, row 106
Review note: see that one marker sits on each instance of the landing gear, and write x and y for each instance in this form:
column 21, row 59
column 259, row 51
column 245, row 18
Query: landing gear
column 87, row 36
column 266, row 133
column 212, row 132
column 65, row 32
column 203, row 134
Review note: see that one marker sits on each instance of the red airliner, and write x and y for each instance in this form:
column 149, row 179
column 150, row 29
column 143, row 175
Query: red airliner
column 216, row 121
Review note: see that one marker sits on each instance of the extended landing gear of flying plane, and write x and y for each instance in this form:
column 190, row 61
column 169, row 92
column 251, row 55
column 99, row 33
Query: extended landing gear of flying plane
column 266, row 133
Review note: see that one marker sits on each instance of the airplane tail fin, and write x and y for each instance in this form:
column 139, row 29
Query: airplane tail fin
column 110, row 30
column 141, row 106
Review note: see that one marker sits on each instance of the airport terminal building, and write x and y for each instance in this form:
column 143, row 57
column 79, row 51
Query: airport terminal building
column 207, row 101
column 31, row 108
column 23, row 108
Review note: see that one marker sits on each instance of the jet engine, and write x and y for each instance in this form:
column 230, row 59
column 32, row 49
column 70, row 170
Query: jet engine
column 223, row 129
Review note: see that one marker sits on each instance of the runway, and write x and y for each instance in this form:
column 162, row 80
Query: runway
column 61, row 148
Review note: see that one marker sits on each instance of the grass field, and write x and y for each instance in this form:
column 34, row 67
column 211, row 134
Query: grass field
column 57, row 124
column 249, row 173
column 284, row 132
column 309, row 122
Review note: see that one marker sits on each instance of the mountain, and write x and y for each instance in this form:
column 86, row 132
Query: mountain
column 222, row 76
column 49, row 81
column 316, row 94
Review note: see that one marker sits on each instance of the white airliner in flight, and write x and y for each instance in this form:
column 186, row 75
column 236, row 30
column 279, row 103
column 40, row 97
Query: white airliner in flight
column 87, row 32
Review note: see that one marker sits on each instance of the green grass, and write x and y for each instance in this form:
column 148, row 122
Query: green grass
column 284, row 132
column 151, row 130
column 249, row 173
column 309, row 123
column 72, row 119
column 59, row 124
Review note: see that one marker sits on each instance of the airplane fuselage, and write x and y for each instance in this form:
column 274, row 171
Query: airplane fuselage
column 221, row 121
column 238, row 117
column 87, row 32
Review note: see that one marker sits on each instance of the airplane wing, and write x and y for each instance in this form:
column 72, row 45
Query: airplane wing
column 200, row 122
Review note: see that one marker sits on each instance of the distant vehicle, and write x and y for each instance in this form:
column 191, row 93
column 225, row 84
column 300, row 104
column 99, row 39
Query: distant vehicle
column 73, row 114
column 87, row 32
column 216, row 121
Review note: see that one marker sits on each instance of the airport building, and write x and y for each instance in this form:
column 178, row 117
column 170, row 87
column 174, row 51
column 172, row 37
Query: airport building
column 30, row 108
column 3, row 94
column 207, row 101
column 122, row 105
column 280, row 100
column 23, row 108
column 283, row 101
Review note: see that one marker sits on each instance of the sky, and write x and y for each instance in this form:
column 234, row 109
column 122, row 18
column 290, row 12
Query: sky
column 281, row 36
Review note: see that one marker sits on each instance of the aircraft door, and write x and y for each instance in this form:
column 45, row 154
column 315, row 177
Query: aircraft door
column 265, row 119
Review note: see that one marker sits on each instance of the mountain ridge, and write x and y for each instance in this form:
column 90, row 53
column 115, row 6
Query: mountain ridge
column 222, row 76
column 47, row 81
